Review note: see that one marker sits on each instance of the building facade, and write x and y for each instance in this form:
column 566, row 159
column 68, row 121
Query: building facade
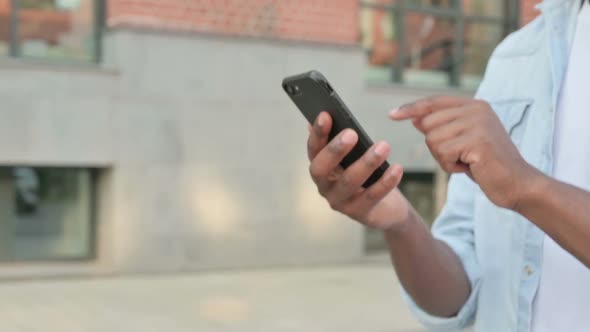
column 153, row 136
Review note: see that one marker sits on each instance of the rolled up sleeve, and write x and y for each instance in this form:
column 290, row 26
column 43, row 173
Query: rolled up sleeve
column 454, row 226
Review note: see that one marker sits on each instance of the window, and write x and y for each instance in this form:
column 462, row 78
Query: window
column 434, row 42
column 67, row 30
column 46, row 213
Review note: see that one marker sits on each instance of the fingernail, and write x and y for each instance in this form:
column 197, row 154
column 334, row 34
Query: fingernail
column 389, row 175
column 321, row 121
column 394, row 112
column 348, row 137
column 392, row 173
column 398, row 171
column 381, row 149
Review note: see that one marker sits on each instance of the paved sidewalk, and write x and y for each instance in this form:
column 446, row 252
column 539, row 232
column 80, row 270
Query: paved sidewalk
column 360, row 298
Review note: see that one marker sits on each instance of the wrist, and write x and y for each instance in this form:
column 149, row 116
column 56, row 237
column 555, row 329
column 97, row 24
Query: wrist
column 403, row 226
column 532, row 186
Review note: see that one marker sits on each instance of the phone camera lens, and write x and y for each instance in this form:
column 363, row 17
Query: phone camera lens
column 293, row 90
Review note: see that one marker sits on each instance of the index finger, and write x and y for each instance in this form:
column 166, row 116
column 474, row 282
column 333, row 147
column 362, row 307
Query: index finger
column 426, row 106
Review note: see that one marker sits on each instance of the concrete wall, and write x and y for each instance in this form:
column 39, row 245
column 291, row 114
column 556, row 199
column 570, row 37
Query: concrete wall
column 203, row 155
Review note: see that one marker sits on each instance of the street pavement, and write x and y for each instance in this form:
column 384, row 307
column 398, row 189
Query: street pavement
column 362, row 298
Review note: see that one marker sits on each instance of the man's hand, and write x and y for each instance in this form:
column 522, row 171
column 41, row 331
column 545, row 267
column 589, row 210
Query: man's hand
column 466, row 136
column 428, row 269
column 381, row 206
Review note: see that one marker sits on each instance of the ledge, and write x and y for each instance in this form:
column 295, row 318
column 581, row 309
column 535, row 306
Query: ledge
column 18, row 272
column 388, row 86
column 232, row 37
column 9, row 63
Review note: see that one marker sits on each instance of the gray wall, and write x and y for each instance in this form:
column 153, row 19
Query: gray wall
column 203, row 156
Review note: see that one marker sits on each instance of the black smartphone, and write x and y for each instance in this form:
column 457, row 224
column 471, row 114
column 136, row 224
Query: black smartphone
column 313, row 94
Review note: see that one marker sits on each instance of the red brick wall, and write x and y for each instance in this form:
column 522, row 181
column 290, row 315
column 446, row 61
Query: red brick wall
column 332, row 21
column 528, row 11
column 4, row 6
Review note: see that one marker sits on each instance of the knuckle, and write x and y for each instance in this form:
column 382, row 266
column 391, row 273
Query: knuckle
column 336, row 206
column 372, row 196
column 480, row 138
column 335, row 147
column 372, row 162
column 310, row 140
column 314, row 171
column 317, row 130
column 438, row 156
column 430, row 139
column 477, row 115
column 386, row 185
column 482, row 104
column 471, row 123
column 447, row 167
column 444, row 153
column 408, row 106
column 433, row 99
column 432, row 142
column 310, row 146
column 436, row 153
column 419, row 122
column 322, row 191
column 346, row 180
column 451, row 161
column 431, row 149
column 333, row 205
column 483, row 108
column 425, row 123
column 347, row 210
column 372, row 220
column 423, row 103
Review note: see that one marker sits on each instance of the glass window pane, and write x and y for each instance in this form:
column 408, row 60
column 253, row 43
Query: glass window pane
column 486, row 7
column 378, row 42
column 57, row 29
column 45, row 213
column 480, row 41
column 429, row 53
column 434, row 3
column 4, row 27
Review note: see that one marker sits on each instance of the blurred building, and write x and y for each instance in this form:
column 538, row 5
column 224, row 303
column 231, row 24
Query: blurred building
column 144, row 135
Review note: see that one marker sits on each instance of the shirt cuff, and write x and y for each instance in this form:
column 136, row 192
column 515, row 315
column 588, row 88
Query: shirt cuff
column 443, row 324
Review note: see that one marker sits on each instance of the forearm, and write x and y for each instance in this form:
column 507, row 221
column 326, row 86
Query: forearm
column 562, row 211
column 428, row 269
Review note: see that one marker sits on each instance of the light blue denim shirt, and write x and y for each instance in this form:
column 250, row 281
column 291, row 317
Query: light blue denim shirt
column 501, row 250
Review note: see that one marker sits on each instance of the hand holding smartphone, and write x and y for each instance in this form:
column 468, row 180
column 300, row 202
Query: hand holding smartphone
column 312, row 94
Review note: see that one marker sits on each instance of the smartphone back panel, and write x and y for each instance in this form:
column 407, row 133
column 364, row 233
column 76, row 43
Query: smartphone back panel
column 312, row 94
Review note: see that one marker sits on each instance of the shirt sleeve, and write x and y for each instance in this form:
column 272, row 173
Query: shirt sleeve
column 454, row 226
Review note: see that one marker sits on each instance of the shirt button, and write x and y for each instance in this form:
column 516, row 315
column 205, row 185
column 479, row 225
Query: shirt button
column 529, row 270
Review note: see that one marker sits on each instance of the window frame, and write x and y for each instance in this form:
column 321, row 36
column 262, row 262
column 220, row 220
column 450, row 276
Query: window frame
column 93, row 235
column 400, row 8
column 99, row 15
